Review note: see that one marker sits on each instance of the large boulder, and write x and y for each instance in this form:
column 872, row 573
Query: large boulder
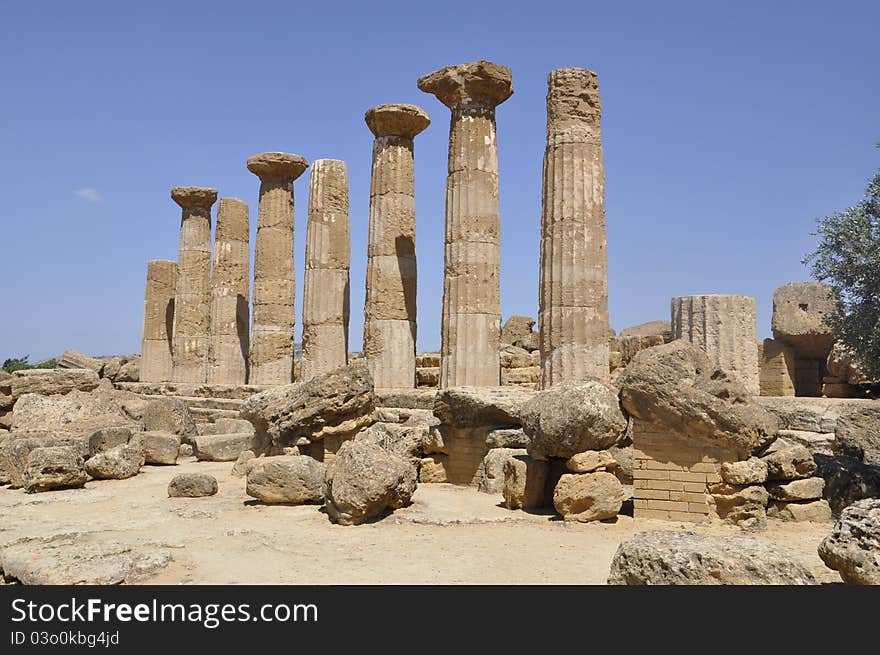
column 76, row 412
column 71, row 358
column 590, row 461
column 652, row 328
column 364, row 480
column 525, row 482
column 165, row 415
column 517, row 331
column 789, row 463
column 853, row 548
column 159, row 447
column 794, row 490
column 291, row 479
column 222, row 447
column 683, row 558
column 800, row 313
column 117, row 463
column 192, row 485
column 857, row 435
column 16, row 448
column 507, row 438
column 481, row 406
column 337, row 403
column 675, row 385
column 588, row 496
column 53, row 382
column 406, row 441
column 492, row 476
column 747, row 471
column 846, row 480
column 58, row 467
column 743, row 506
column 107, row 438
column 815, row 511
column 571, row 418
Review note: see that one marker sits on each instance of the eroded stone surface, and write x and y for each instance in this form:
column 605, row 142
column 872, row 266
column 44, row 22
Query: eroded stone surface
column 684, row 558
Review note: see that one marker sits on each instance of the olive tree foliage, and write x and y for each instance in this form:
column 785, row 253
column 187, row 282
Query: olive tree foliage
column 848, row 257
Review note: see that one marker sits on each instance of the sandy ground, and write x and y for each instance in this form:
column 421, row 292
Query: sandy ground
column 129, row 530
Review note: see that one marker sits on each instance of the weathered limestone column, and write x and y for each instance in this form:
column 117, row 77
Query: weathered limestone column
column 573, row 319
column 724, row 327
column 271, row 356
column 471, row 321
column 326, row 286
column 230, row 294
column 390, row 307
column 156, row 346
column 192, row 297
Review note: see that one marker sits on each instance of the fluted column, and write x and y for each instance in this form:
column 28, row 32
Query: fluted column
column 390, row 307
column 326, row 285
column 724, row 327
column 156, row 347
column 573, row 319
column 271, row 353
column 471, row 321
column 192, row 297
column 230, row 294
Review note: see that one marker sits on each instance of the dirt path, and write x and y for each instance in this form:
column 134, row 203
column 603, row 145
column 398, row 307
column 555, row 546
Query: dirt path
column 132, row 531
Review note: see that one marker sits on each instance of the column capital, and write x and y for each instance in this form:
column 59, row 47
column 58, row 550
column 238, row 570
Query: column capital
column 481, row 83
column 573, row 95
column 275, row 165
column 192, row 197
column 397, row 120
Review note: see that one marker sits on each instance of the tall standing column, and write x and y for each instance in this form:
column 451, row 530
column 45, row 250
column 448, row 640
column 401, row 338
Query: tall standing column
column 326, row 306
column 471, row 322
column 724, row 327
column 230, row 294
column 390, row 307
column 271, row 356
column 192, row 297
column 156, row 348
column 573, row 319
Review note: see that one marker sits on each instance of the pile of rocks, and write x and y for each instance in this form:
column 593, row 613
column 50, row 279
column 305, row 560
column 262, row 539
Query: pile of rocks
column 572, row 455
column 779, row 484
column 68, row 426
column 124, row 368
column 361, row 484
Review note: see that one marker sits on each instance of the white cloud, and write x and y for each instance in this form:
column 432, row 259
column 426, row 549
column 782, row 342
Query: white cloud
column 89, row 195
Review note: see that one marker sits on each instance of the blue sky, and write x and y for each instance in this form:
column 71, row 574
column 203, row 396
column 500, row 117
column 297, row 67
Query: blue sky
column 728, row 128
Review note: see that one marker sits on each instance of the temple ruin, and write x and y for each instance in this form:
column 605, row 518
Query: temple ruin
column 687, row 418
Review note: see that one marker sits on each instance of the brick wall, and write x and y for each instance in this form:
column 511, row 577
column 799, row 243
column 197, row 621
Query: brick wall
column 670, row 474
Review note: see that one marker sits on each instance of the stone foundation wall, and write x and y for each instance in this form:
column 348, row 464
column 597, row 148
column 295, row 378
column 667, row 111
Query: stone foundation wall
column 671, row 474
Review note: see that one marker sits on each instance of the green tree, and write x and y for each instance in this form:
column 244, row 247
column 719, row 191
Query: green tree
column 16, row 364
column 848, row 258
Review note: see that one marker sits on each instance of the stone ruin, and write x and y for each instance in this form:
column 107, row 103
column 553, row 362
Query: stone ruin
column 687, row 419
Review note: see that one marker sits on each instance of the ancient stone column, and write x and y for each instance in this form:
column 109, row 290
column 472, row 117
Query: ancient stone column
column 230, row 294
column 573, row 319
column 390, row 307
column 724, row 327
column 326, row 286
column 192, row 297
column 271, row 356
column 471, row 321
column 156, row 347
